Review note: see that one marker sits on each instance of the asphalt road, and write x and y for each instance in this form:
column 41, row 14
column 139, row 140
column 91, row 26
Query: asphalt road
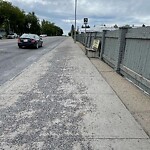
column 14, row 60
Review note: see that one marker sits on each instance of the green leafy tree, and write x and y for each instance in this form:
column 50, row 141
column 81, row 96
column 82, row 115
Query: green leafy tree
column 32, row 24
column 12, row 19
column 71, row 33
column 5, row 10
column 51, row 29
column 115, row 26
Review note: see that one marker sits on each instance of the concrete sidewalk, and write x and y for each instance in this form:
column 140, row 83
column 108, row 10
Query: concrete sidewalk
column 134, row 99
column 62, row 102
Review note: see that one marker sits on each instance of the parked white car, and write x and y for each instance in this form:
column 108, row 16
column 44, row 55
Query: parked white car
column 43, row 35
column 12, row 36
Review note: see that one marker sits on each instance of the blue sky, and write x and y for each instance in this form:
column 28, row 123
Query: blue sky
column 108, row 12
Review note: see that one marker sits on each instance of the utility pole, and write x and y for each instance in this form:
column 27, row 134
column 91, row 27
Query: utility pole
column 75, row 21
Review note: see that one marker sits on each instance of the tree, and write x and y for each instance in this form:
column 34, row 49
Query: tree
column 115, row 26
column 50, row 29
column 32, row 24
column 12, row 19
column 71, row 33
column 143, row 25
column 5, row 10
column 72, row 30
column 17, row 24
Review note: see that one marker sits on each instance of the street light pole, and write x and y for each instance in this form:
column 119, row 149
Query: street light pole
column 85, row 39
column 75, row 21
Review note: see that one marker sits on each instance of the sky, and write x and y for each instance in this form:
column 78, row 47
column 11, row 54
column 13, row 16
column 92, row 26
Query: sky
column 98, row 12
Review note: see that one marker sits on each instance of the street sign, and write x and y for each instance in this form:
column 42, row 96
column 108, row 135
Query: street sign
column 86, row 26
column 85, row 20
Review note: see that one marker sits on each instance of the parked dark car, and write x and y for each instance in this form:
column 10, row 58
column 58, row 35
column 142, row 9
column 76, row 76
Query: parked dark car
column 30, row 40
column 1, row 37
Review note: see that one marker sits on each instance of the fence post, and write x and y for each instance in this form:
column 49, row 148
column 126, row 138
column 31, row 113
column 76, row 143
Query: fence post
column 95, row 35
column 121, row 47
column 103, row 44
column 90, row 39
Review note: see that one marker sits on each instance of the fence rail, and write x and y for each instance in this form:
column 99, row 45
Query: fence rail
column 126, row 50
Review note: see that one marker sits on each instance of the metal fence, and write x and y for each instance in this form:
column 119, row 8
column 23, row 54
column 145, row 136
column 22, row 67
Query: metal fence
column 127, row 50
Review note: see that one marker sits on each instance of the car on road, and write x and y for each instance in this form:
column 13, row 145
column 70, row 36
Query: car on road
column 12, row 36
column 43, row 35
column 1, row 37
column 30, row 40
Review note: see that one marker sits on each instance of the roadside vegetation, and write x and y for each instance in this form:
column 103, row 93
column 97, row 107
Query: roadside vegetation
column 12, row 19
